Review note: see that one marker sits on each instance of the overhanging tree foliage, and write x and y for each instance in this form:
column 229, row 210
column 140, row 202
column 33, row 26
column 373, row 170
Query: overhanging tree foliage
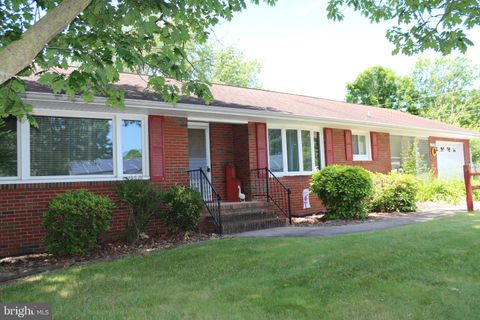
column 105, row 37
column 102, row 38
column 418, row 25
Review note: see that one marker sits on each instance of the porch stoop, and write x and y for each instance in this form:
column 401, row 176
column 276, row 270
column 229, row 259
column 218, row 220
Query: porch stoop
column 248, row 216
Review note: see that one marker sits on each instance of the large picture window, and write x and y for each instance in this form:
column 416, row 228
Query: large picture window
column 73, row 146
column 62, row 146
column 8, row 147
column 293, row 151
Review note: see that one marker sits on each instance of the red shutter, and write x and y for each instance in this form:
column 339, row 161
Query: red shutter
column 328, row 137
column 348, row 145
column 375, row 150
column 262, row 156
column 157, row 150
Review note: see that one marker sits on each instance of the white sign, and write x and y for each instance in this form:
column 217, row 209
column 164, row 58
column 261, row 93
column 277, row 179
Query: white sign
column 306, row 199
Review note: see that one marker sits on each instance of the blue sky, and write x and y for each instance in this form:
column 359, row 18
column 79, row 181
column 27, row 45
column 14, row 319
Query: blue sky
column 303, row 52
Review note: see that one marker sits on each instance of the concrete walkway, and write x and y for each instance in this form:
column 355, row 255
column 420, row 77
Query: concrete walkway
column 321, row 231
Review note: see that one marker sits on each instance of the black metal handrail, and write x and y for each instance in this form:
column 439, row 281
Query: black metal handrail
column 200, row 182
column 265, row 184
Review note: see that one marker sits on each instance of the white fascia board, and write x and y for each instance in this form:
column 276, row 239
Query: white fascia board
column 235, row 115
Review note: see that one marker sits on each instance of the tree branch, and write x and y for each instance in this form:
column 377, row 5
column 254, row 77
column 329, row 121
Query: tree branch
column 20, row 53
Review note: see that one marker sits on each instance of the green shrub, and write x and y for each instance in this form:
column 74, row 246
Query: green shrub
column 413, row 162
column 344, row 190
column 394, row 193
column 143, row 200
column 450, row 191
column 74, row 220
column 184, row 207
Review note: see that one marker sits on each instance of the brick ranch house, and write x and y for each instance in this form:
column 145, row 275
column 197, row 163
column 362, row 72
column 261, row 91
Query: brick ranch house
column 92, row 146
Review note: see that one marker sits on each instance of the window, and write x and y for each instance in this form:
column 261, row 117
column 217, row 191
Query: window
column 69, row 146
column 316, row 143
column 307, row 150
column 62, row 146
column 293, row 151
column 361, row 147
column 132, row 146
column 8, row 147
column 275, row 150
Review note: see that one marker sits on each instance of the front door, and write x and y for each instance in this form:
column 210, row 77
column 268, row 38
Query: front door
column 199, row 147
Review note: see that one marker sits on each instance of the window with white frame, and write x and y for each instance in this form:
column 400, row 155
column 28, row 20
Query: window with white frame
column 132, row 146
column 71, row 146
column 293, row 151
column 362, row 150
column 8, row 147
column 64, row 146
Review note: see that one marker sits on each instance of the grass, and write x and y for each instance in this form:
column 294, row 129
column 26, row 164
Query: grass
column 404, row 273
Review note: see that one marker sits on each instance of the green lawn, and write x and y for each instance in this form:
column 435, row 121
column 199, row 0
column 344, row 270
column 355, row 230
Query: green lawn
column 404, row 273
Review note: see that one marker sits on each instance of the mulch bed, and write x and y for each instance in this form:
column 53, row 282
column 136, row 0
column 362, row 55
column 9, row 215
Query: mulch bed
column 320, row 220
column 16, row 267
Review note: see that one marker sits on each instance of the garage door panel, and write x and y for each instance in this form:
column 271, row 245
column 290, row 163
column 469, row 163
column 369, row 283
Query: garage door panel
column 450, row 159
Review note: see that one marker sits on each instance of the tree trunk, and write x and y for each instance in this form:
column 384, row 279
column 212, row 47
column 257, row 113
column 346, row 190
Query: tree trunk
column 20, row 53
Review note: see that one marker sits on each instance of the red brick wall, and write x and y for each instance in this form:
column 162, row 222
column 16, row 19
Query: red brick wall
column 433, row 160
column 22, row 205
column 176, row 152
column 235, row 144
column 383, row 164
column 298, row 183
column 221, row 154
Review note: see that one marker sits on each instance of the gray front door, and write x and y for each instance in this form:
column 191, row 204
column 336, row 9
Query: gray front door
column 198, row 149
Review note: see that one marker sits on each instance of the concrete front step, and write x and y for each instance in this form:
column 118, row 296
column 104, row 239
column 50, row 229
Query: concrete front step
column 250, row 225
column 248, row 216
column 227, row 207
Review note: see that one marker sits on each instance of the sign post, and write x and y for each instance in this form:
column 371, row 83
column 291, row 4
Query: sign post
column 468, row 186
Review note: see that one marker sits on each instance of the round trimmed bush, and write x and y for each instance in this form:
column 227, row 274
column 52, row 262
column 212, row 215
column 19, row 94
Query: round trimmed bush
column 395, row 193
column 344, row 190
column 184, row 207
column 74, row 220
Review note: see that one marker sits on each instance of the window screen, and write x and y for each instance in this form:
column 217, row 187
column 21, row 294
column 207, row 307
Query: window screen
column 359, row 144
column 8, row 147
column 292, row 150
column 307, row 150
column 71, row 146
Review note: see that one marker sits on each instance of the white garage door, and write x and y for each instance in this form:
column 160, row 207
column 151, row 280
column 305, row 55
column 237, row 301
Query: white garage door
column 450, row 160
